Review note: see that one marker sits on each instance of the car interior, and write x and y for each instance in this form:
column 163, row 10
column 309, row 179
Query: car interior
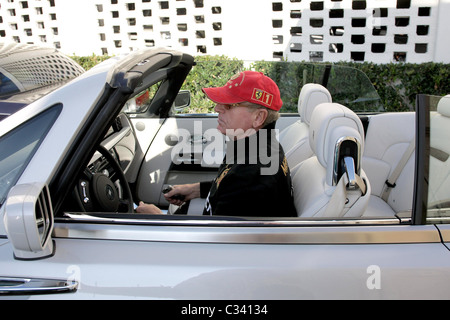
column 342, row 148
column 343, row 164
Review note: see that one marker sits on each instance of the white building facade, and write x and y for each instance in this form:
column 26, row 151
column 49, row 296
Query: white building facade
column 380, row 31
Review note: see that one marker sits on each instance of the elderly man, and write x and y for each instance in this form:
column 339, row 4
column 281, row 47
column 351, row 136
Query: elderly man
column 254, row 179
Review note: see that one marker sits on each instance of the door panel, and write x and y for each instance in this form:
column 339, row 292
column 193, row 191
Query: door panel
column 184, row 150
column 106, row 267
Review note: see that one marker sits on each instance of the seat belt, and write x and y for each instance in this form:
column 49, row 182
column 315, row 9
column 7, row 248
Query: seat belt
column 391, row 181
column 338, row 199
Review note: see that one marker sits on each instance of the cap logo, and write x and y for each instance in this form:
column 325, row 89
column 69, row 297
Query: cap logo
column 236, row 76
column 262, row 97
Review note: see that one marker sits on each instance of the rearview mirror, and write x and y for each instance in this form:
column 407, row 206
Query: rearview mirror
column 29, row 221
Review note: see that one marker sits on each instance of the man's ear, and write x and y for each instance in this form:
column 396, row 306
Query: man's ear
column 260, row 116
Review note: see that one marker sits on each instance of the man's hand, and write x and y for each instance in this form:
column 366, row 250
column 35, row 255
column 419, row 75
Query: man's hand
column 148, row 208
column 189, row 191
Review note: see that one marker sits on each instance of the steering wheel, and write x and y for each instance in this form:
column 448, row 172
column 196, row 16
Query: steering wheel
column 98, row 192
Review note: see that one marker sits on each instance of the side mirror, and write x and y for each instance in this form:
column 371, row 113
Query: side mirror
column 29, row 221
column 183, row 100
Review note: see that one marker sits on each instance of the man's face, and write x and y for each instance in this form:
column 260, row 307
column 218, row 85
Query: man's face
column 235, row 120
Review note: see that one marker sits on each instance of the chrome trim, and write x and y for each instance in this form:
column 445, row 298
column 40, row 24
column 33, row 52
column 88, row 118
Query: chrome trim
column 336, row 157
column 195, row 115
column 26, row 286
column 283, row 232
column 191, row 221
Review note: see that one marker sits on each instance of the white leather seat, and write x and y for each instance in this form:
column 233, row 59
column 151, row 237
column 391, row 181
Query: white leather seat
column 294, row 139
column 388, row 137
column 439, row 177
column 320, row 183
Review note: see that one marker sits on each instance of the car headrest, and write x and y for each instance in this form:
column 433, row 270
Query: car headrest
column 311, row 96
column 443, row 106
column 332, row 123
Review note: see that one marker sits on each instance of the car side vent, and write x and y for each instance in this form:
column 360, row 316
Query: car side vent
column 29, row 221
column 43, row 212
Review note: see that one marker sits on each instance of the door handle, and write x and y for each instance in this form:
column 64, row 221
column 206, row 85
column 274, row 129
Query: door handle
column 27, row 286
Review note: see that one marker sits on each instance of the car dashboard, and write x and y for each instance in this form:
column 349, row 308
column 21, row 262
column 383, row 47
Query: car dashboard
column 121, row 142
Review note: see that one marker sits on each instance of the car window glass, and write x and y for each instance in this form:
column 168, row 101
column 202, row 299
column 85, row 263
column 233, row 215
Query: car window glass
column 348, row 86
column 439, row 160
column 208, row 72
column 18, row 146
column 142, row 101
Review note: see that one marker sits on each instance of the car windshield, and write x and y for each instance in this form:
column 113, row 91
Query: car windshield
column 19, row 145
column 347, row 85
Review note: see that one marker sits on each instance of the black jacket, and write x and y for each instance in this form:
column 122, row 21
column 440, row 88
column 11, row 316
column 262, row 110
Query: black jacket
column 253, row 180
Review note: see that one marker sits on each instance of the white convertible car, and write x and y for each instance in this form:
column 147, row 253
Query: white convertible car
column 371, row 189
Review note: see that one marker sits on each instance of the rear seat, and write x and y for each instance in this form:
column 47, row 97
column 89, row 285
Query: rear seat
column 388, row 137
column 439, row 179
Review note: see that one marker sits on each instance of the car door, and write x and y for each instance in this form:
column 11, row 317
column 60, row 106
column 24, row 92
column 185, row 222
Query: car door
column 435, row 198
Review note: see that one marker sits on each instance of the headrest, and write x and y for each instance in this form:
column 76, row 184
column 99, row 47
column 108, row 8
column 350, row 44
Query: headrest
column 311, row 95
column 330, row 123
column 443, row 106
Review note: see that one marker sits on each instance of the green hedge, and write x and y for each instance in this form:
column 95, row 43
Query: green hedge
column 89, row 61
column 397, row 83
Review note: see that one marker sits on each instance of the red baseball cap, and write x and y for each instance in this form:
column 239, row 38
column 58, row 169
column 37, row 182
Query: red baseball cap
column 250, row 86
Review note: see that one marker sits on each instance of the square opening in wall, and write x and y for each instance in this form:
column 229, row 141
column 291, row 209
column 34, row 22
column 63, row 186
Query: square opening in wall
column 379, row 31
column 399, row 56
column 278, row 55
column 336, row 13
column 315, row 56
column 316, row 22
column 359, row 5
column 277, row 23
column 296, row 31
column 358, row 39
column 316, row 38
column 358, row 22
column 378, row 47
column 422, row 30
column 401, row 21
column 200, row 34
column 295, row 47
column 421, row 48
column 357, row 56
column 380, row 12
column 201, row 49
column 336, row 47
column 424, row 12
column 400, row 38
column 277, row 6
column 296, row 14
column 403, row 4
column 277, row 39
column 337, row 31
column 316, row 5
column 183, row 42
